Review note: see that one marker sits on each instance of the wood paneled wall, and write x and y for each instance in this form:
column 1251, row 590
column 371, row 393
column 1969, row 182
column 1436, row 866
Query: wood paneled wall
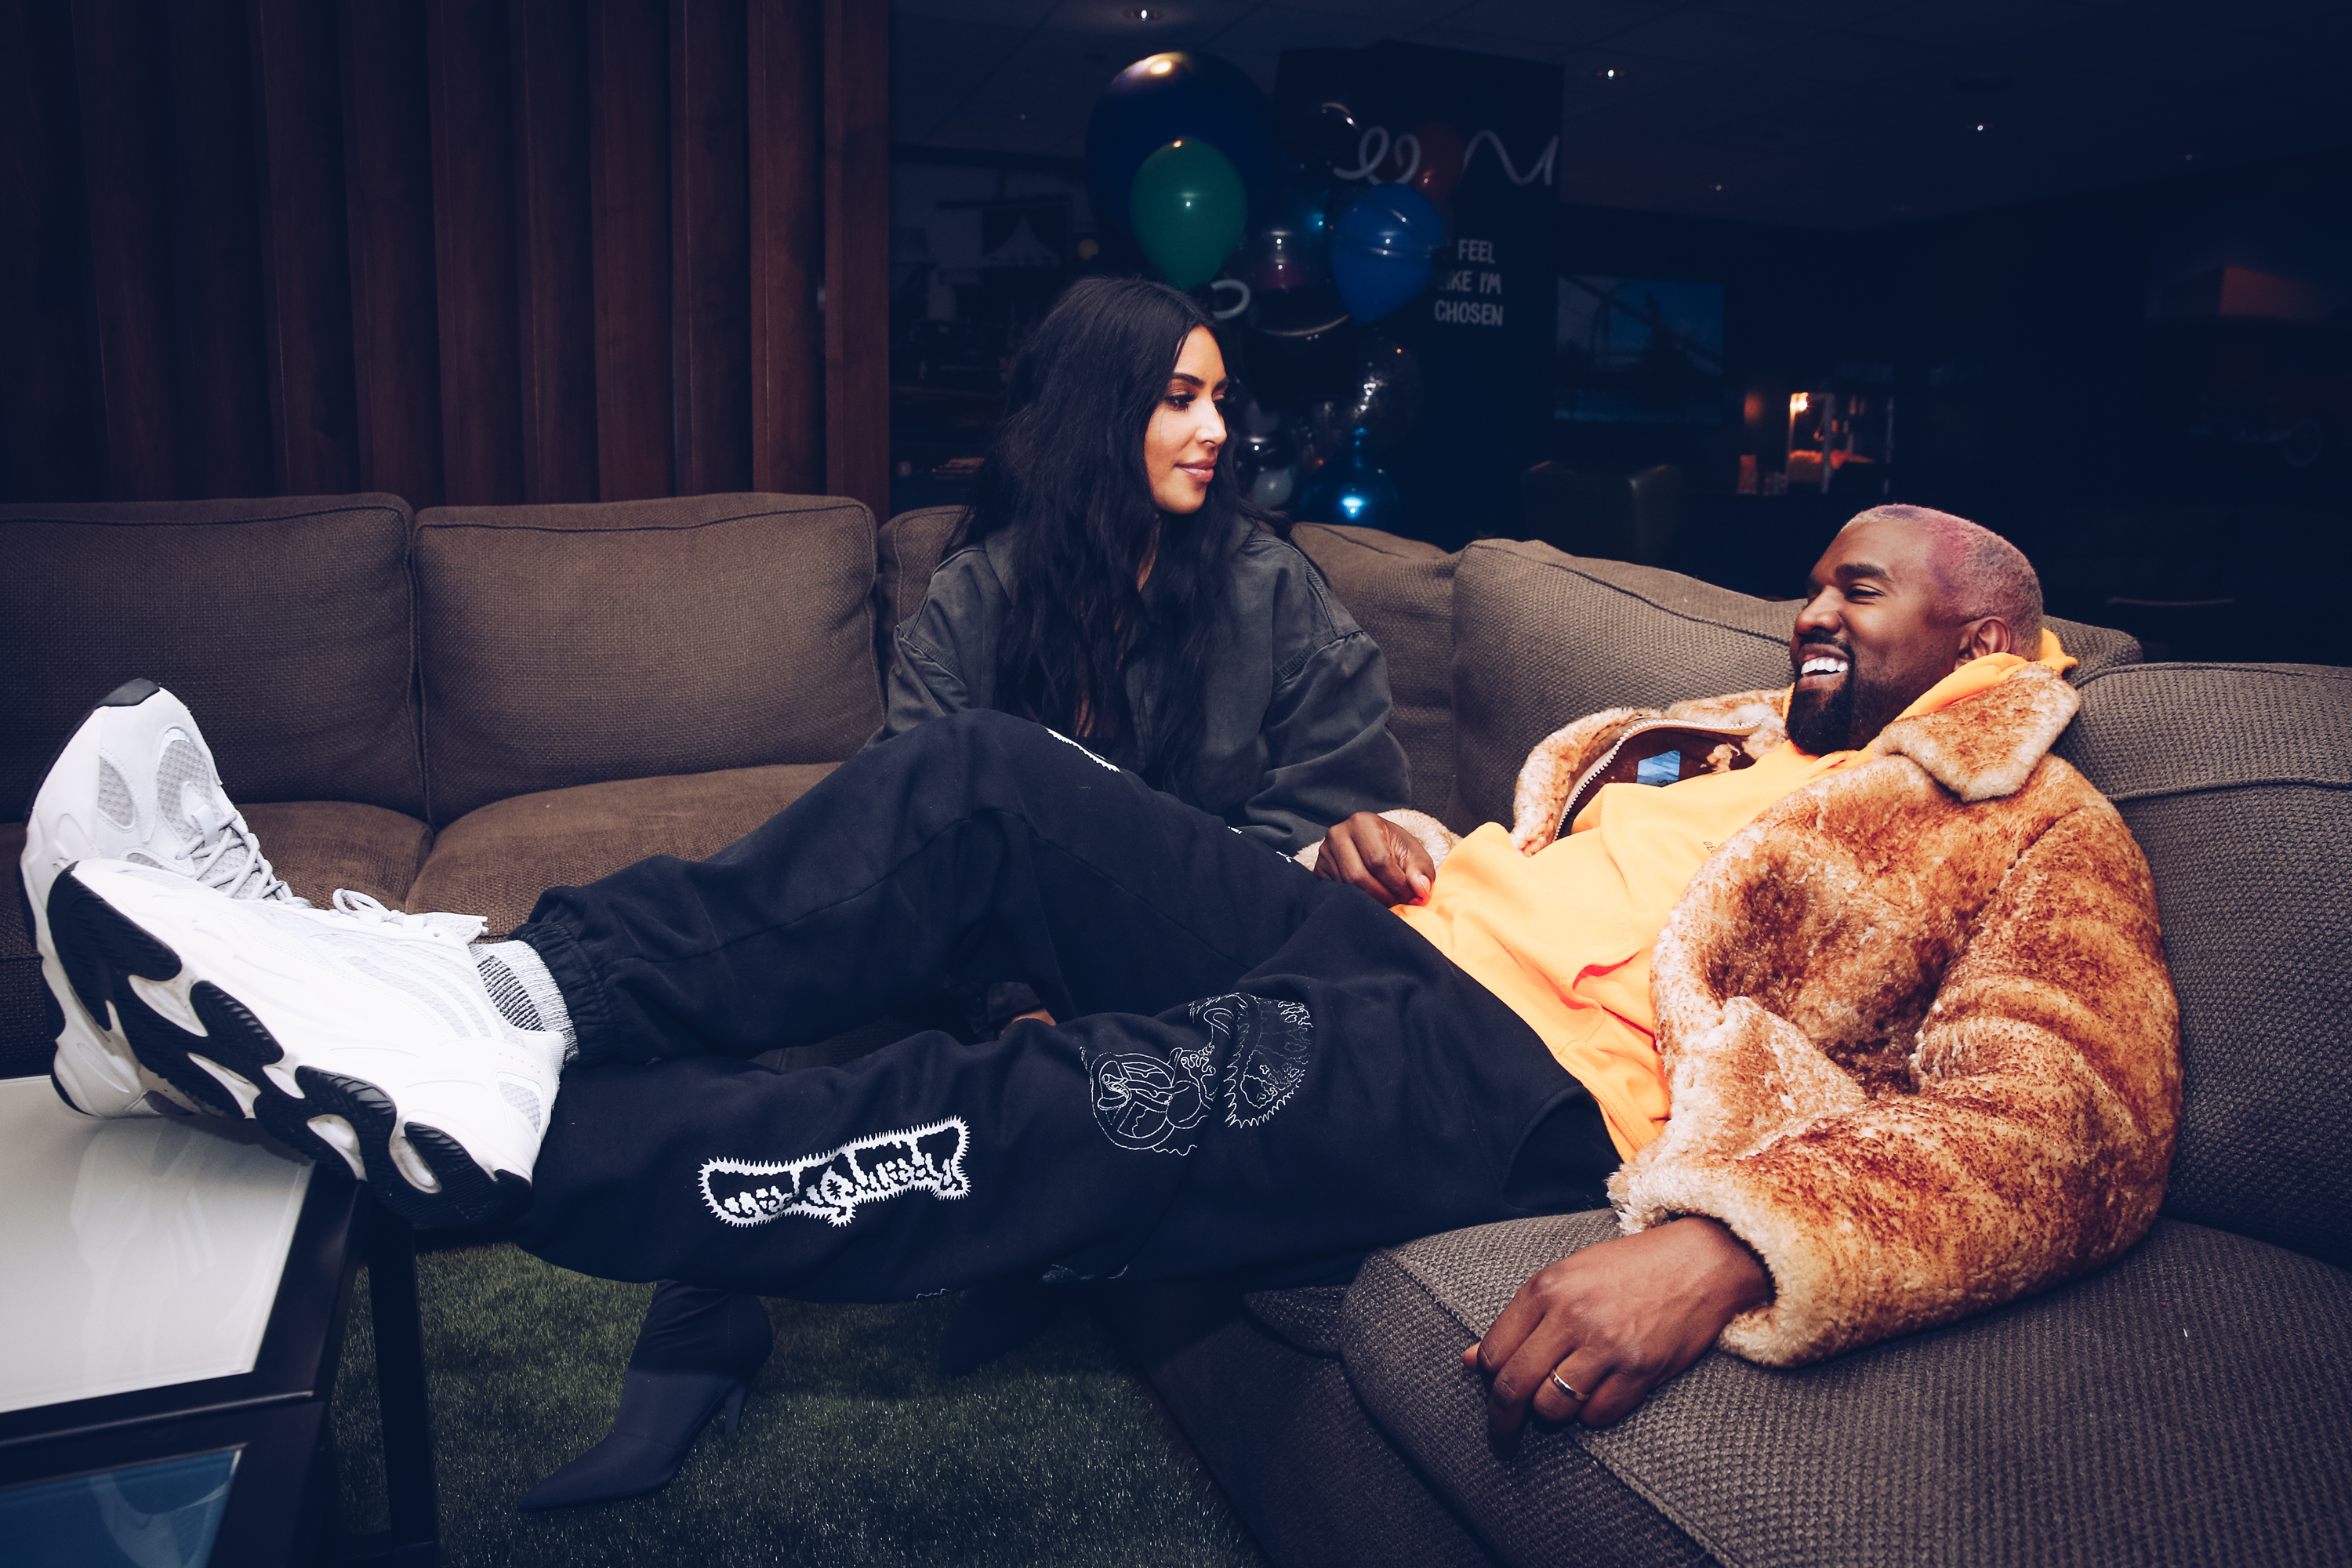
column 468, row 251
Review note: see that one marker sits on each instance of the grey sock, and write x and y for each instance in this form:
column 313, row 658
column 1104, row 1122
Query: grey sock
column 523, row 990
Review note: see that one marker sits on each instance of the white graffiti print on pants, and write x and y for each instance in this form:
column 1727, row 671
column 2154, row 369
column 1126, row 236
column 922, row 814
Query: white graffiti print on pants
column 1149, row 1102
column 834, row 1185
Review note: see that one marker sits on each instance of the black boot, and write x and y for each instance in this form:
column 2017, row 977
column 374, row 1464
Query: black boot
column 697, row 1352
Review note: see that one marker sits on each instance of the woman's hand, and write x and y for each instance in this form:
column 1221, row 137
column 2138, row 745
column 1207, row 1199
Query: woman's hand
column 1369, row 852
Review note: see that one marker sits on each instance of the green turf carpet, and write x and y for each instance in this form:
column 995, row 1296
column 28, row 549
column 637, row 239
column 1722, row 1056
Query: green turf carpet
column 853, row 1450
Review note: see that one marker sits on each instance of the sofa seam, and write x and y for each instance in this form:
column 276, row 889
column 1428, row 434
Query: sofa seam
column 1640, row 598
column 634, row 527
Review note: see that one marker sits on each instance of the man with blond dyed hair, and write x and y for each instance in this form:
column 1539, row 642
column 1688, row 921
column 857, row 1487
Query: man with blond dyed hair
column 1849, row 996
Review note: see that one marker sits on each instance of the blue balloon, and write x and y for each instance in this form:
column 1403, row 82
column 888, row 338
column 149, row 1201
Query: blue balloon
column 1162, row 97
column 1381, row 249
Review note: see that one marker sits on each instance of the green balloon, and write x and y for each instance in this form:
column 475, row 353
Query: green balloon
column 1188, row 209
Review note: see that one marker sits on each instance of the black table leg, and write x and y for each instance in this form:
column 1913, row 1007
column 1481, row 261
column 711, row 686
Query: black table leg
column 414, row 1540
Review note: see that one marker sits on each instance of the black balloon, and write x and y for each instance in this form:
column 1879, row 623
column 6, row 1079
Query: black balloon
column 1301, row 344
column 1322, row 134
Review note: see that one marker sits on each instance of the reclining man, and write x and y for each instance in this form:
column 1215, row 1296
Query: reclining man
column 1861, row 1023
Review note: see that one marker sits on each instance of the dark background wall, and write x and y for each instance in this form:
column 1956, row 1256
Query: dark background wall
column 2041, row 389
column 472, row 251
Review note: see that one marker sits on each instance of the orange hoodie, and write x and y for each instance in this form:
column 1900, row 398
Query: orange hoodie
column 1563, row 936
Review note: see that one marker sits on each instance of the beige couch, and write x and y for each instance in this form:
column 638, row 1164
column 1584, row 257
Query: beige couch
column 455, row 710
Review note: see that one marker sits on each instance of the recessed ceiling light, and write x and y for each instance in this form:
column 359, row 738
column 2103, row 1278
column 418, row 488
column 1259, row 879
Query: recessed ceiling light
column 1611, row 73
column 1146, row 13
column 1719, row 185
column 1981, row 127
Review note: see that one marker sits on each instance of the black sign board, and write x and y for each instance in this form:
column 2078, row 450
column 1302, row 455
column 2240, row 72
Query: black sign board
column 1483, row 331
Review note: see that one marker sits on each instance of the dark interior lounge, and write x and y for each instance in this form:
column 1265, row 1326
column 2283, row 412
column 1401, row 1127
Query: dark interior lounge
column 533, row 436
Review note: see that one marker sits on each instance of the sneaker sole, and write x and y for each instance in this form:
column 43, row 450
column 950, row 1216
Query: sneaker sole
column 101, row 949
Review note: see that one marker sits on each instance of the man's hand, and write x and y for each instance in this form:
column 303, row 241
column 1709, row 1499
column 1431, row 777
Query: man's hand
column 1614, row 1320
column 1369, row 852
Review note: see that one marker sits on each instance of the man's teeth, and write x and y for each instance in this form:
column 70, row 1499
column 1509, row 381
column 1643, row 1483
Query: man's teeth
column 1824, row 666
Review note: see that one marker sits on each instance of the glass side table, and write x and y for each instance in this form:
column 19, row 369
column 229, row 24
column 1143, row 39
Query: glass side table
column 170, row 1322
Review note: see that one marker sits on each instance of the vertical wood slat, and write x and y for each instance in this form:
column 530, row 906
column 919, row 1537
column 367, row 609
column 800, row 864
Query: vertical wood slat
column 305, row 267
column 49, row 446
column 388, row 203
column 474, row 250
column 221, row 372
column 857, row 252
column 553, row 296
column 119, row 72
column 786, row 55
column 629, row 227
column 710, row 268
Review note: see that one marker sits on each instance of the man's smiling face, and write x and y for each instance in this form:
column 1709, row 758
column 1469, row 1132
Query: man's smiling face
column 1875, row 632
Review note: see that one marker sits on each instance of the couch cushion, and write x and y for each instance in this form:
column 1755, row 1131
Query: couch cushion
column 570, row 644
column 288, row 626
column 2185, row 1406
column 318, row 846
column 1401, row 591
column 908, row 549
column 496, row 861
column 1541, row 638
column 1318, row 1485
column 2237, row 782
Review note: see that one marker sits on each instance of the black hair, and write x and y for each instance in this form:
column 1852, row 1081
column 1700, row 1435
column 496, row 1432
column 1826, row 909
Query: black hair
column 1065, row 483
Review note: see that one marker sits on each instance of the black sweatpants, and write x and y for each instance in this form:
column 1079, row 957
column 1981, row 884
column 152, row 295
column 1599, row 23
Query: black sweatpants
column 1253, row 1067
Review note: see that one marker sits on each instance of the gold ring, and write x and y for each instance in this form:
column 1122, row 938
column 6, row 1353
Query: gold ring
column 1561, row 1383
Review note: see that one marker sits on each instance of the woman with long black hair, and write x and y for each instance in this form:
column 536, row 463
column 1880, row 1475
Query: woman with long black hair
column 1114, row 585
column 1111, row 584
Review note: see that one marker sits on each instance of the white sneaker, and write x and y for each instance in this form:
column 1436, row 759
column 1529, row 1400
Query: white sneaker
column 136, row 782
column 367, row 1038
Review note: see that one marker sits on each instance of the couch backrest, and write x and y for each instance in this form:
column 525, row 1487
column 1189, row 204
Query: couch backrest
column 287, row 624
column 576, row 644
column 906, row 550
column 2237, row 781
column 1401, row 591
column 1541, row 638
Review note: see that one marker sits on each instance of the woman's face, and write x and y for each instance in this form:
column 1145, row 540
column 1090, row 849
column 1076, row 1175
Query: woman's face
column 1181, row 443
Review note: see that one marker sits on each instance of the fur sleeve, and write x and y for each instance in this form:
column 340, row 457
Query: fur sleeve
column 1741, row 710
column 2015, row 1131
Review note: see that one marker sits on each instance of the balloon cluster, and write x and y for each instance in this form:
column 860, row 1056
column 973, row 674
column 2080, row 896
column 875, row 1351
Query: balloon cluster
column 1184, row 150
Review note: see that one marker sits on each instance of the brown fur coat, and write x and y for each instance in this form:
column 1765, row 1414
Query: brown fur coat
column 1922, row 1043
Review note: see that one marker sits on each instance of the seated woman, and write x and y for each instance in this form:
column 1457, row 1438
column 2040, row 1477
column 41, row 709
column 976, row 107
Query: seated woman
column 1112, row 584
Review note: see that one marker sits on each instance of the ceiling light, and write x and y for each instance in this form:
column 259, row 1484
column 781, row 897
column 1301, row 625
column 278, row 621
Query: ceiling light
column 1147, row 13
column 1980, row 127
column 1610, row 73
column 1719, row 185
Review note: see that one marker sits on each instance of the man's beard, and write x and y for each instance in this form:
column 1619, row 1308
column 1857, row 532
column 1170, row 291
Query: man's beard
column 1849, row 717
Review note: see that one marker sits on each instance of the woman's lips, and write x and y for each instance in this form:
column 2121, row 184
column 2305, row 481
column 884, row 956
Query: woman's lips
column 1204, row 472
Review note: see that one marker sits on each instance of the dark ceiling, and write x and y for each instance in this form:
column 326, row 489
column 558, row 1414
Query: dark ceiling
column 1826, row 113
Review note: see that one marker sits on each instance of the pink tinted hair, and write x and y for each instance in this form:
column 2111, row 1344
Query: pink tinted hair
column 1979, row 573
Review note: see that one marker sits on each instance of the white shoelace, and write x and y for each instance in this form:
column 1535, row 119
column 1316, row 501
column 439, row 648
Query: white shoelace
column 455, row 930
column 218, row 831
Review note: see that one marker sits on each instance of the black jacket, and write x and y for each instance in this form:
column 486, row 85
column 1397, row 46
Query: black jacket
column 1297, row 699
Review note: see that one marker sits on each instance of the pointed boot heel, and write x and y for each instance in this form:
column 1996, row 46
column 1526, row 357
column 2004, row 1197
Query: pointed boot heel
column 695, row 1359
